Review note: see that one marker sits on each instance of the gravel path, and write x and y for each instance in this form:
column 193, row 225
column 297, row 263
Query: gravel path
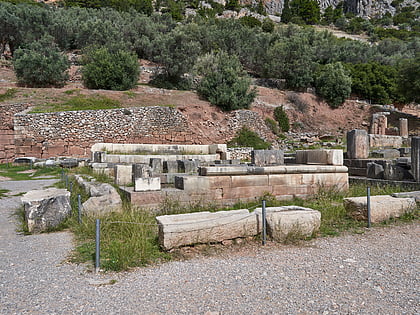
column 373, row 273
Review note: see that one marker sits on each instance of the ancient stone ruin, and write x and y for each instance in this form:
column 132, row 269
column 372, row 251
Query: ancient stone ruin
column 151, row 174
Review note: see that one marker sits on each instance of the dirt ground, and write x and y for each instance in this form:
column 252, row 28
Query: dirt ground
column 311, row 115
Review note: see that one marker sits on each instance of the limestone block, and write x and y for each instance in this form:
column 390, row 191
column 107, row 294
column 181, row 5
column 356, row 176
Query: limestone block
column 46, row 209
column 327, row 157
column 403, row 127
column 292, row 221
column 415, row 158
column 123, row 174
column 249, row 180
column 99, row 205
column 170, row 166
column 156, row 165
column 267, row 157
column 386, row 154
column 188, row 166
column 141, row 170
column 384, row 141
column 357, row 144
column 374, row 170
column 192, row 183
column 146, row 184
column 395, row 172
column 204, row 227
column 382, row 207
column 410, row 194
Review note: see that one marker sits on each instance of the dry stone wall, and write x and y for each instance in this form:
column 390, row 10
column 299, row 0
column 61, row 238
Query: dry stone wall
column 73, row 133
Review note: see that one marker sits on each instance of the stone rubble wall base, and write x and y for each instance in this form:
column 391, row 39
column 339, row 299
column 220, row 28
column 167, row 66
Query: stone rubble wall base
column 382, row 207
column 205, row 227
column 45, row 209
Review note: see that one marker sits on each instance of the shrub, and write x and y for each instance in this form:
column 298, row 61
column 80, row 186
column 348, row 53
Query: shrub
column 224, row 83
column 333, row 84
column 282, row 118
column 248, row 138
column 41, row 64
column 110, row 69
column 273, row 125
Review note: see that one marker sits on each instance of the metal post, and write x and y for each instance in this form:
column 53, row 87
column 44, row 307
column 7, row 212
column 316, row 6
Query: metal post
column 79, row 208
column 67, row 181
column 71, row 186
column 98, row 245
column 368, row 207
column 264, row 224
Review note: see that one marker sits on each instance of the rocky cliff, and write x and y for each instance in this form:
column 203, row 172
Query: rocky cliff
column 363, row 8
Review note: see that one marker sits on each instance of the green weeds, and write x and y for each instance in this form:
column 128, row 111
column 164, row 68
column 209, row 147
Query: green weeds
column 25, row 172
column 79, row 102
column 10, row 93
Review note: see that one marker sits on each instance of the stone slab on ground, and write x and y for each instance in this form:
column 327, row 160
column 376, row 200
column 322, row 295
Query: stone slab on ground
column 147, row 184
column 382, row 207
column 267, row 157
column 290, row 221
column 410, row 194
column 204, row 227
column 45, row 209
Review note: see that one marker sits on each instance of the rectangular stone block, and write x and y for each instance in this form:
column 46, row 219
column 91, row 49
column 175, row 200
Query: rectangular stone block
column 146, row 184
column 357, row 144
column 204, row 227
column 170, row 166
column 156, row 165
column 123, row 174
column 249, row 180
column 246, row 193
column 140, row 170
column 415, row 158
column 287, row 220
column 267, row 157
column 383, row 141
column 188, row 166
column 285, row 179
column 326, row 157
column 382, row 207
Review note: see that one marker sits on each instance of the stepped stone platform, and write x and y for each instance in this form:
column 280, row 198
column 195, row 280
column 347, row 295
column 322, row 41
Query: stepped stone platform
column 226, row 185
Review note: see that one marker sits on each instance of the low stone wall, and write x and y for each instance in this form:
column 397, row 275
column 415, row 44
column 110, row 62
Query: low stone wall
column 73, row 133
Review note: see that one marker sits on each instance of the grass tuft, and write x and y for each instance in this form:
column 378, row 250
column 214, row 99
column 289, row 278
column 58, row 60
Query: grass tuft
column 79, row 102
column 10, row 93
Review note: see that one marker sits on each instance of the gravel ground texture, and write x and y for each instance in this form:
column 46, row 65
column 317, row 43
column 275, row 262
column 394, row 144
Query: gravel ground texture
column 372, row 273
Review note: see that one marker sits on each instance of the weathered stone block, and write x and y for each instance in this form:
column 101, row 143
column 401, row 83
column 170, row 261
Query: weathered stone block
column 267, row 157
column 383, row 141
column 188, row 166
column 386, row 154
column 327, row 157
column 45, row 209
column 290, row 221
column 170, row 166
column 415, row 158
column 382, row 207
column 123, row 174
column 156, row 165
column 141, row 171
column 249, row 180
column 146, row 184
column 204, row 227
column 395, row 172
column 410, row 194
column 374, row 170
column 357, row 144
